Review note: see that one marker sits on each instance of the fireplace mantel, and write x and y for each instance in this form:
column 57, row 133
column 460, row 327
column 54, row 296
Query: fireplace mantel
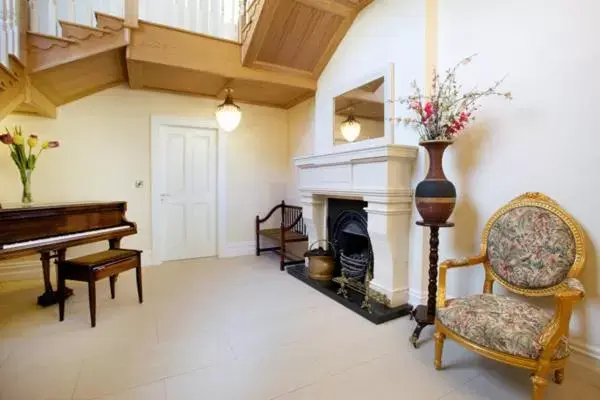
column 381, row 171
column 381, row 176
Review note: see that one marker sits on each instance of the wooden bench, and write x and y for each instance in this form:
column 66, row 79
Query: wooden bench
column 93, row 267
column 291, row 230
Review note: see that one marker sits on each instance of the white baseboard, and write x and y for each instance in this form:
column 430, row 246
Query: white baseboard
column 591, row 352
column 237, row 249
column 416, row 297
column 148, row 259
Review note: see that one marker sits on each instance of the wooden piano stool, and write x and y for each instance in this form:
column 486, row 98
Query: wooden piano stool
column 92, row 268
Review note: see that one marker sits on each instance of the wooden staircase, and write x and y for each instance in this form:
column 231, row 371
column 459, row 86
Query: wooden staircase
column 85, row 60
column 261, row 70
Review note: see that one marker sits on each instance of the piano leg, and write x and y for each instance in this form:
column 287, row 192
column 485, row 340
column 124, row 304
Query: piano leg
column 49, row 296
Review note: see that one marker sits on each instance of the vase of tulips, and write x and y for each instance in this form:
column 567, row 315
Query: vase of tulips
column 25, row 153
column 439, row 118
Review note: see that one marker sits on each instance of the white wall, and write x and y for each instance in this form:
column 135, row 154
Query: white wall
column 105, row 147
column 301, row 119
column 542, row 141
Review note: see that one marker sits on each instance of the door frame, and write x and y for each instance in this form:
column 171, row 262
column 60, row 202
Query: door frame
column 156, row 121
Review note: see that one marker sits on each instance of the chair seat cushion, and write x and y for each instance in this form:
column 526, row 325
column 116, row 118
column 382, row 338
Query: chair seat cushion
column 500, row 323
column 98, row 260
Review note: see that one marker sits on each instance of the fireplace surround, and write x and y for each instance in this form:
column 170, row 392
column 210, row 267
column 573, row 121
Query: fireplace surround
column 379, row 178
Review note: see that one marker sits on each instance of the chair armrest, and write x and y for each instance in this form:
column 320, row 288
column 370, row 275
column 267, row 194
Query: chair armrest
column 260, row 220
column 443, row 268
column 572, row 293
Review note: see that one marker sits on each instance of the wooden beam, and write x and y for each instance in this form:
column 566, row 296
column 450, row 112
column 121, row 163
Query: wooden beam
column 159, row 44
column 135, row 72
column 281, row 68
column 131, row 13
column 36, row 101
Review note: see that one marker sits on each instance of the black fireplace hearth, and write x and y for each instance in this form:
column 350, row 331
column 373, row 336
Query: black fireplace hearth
column 347, row 230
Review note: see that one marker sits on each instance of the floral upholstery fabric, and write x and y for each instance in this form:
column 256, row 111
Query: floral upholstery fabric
column 530, row 247
column 500, row 323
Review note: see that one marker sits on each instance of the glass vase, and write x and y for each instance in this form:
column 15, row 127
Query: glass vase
column 26, row 181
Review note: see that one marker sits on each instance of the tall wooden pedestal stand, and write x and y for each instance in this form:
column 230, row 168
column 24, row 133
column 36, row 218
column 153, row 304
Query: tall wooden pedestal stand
column 425, row 315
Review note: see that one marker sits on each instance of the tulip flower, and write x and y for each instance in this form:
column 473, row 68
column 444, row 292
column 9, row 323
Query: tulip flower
column 32, row 141
column 18, row 140
column 25, row 160
column 6, row 138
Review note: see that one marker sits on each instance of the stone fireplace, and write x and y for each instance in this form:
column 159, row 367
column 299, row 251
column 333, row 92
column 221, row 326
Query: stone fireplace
column 360, row 199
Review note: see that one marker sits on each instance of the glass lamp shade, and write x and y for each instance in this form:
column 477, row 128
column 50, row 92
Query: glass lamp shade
column 228, row 115
column 350, row 129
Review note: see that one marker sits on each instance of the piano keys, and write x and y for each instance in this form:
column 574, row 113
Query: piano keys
column 49, row 229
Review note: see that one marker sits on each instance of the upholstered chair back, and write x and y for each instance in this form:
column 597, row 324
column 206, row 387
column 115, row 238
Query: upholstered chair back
column 533, row 245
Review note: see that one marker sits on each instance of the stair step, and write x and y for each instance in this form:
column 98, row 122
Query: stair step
column 107, row 21
column 16, row 66
column 44, row 42
column 72, row 30
column 7, row 71
column 8, row 79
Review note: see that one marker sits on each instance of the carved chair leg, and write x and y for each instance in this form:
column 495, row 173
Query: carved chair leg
column 439, row 348
column 539, row 387
column 559, row 376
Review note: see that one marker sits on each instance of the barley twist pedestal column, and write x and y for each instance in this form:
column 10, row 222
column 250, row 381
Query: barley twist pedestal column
column 425, row 315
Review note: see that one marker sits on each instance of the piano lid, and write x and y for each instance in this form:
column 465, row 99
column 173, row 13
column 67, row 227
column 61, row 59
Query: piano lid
column 37, row 221
column 49, row 206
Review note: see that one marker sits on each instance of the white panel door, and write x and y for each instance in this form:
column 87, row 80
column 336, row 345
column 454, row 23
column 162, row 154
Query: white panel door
column 188, row 192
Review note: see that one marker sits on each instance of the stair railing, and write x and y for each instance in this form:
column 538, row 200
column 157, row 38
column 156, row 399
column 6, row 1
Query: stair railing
column 9, row 29
column 217, row 18
column 45, row 14
column 248, row 15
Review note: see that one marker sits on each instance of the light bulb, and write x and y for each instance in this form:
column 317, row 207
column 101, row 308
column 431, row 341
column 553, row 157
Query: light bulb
column 228, row 114
column 350, row 128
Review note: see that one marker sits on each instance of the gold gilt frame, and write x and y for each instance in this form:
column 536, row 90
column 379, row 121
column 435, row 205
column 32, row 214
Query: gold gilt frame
column 567, row 293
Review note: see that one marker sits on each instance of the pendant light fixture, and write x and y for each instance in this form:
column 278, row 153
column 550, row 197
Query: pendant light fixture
column 350, row 128
column 228, row 114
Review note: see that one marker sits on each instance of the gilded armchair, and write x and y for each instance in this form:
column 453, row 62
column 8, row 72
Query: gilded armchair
column 532, row 247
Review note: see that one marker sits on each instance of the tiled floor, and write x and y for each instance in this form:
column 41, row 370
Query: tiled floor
column 234, row 329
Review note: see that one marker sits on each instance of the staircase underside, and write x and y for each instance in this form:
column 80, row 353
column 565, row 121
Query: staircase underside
column 296, row 36
column 87, row 60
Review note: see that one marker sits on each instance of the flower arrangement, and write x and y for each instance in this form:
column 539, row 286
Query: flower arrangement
column 447, row 111
column 24, row 154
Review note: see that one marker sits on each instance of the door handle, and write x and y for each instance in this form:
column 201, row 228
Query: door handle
column 163, row 196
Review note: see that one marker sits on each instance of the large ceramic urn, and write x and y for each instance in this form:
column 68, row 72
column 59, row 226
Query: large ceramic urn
column 435, row 196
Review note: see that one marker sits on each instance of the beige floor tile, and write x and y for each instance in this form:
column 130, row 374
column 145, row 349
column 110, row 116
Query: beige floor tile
column 153, row 391
column 118, row 371
column 43, row 383
column 234, row 329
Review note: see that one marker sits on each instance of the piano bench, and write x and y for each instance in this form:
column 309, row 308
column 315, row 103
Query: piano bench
column 92, row 268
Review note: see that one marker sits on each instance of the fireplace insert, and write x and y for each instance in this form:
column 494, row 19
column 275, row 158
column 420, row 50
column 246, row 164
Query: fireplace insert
column 347, row 231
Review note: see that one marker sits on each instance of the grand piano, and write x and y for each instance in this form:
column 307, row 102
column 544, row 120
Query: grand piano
column 49, row 229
